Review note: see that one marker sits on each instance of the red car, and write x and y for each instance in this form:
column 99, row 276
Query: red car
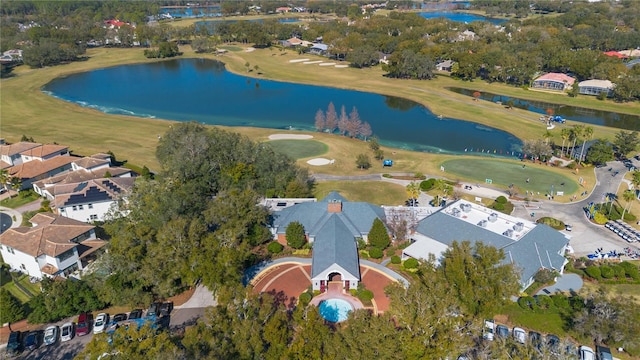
column 83, row 325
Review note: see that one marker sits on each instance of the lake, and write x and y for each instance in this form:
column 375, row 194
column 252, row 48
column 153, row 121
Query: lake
column 204, row 91
column 459, row 17
column 574, row 113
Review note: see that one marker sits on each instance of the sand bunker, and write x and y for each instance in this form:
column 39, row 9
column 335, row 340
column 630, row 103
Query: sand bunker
column 319, row 161
column 298, row 60
column 312, row 62
column 327, row 64
column 290, row 137
column 342, row 66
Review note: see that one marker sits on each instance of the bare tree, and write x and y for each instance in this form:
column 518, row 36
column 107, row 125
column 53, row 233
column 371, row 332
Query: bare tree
column 343, row 123
column 321, row 122
column 354, row 123
column 365, row 130
column 331, row 118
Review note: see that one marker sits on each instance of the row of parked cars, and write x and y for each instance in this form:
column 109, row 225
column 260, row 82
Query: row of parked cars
column 19, row 341
column 551, row 342
column 623, row 230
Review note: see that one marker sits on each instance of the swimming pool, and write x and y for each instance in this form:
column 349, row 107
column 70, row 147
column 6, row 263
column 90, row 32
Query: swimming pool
column 335, row 310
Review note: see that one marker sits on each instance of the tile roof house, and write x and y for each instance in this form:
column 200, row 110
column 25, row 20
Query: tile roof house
column 553, row 81
column 32, row 161
column 93, row 199
column 54, row 246
column 10, row 153
column 32, row 171
column 333, row 226
column 527, row 245
column 596, row 87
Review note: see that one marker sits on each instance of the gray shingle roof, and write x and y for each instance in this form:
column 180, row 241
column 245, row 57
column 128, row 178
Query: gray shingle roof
column 447, row 229
column 335, row 244
column 540, row 247
column 332, row 196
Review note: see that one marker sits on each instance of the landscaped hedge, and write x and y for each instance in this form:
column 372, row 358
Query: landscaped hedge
column 501, row 200
column 498, row 206
column 527, row 302
column 544, row 301
column 365, row 296
column 395, row 259
column 594, row 272
column 554, row 223
column 427, row 184
column 606, row 272
column 375, row 253
column 275, row 247
column 411, row 263
column 305, row 298
column 560, row 301
column 630, row 270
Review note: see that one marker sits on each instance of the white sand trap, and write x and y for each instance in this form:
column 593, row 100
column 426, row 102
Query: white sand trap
column 327, row 64
column 319, row 161
column 250, row 49
column 290, row 137
column 342, row 66
column 298, row 60
column 312, row 62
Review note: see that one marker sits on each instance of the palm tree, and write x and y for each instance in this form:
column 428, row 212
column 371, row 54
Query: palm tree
column 565, row 134
column 546, row 136
column 413, row 190
column 4, row 177
column 635, row 180
column 628, row 196
column 577, row 133
column 16, row 183
column 587, row 133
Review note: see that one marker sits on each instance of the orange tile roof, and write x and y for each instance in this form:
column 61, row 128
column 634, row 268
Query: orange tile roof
column 44, row 150
column 69, row 177
column 49, row 269
column 35, row 168
column 51, row 237
column 89, row 162
column 17, row 148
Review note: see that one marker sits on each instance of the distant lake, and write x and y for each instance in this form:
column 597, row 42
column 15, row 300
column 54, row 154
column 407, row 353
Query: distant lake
column 459, row 17
column 202, row 90
column 574, row 113
column 211, row 25
column 191, row 11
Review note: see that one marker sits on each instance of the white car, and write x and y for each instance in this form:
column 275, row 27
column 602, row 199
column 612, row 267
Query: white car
column 67, row 332
column 586, row 353
column 488, row 330
column 101, row 323
column 50, row 335
column 520, row 335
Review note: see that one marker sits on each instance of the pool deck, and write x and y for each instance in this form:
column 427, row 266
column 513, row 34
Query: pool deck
column 335, row 292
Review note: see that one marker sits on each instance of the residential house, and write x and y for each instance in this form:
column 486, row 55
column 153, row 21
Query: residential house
column 10, row 153
column 319, row 49
column 383, row 58
column 553, row 81
column 32, row 171
column 596, row 87
column 333, row 227
column 83, row 169
column 466, row 35
column 619, row 55
column 446, row 65
column 527, row 245
column 92, row 200
column 54, row 246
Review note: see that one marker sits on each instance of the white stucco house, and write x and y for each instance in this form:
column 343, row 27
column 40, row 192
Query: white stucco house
column 54, row 246
column 93, row 199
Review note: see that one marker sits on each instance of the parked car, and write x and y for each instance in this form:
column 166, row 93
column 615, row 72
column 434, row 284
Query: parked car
column 101, row 322
column 82, row 328
column 536, row 339
column 553, row 344
column 502, row 331
column 166, row 308
column 67, row 332
column 520, row 335
column 32, row 341
column 14, row 345
column 586, row 353
column 153, row 309
column 603, row 353
column 51, row 335
column 135, row 314
column 568, row 227
column 488, row 330
column 119, row 317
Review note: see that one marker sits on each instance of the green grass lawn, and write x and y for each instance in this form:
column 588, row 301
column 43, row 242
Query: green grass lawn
column 504, row 173
column 299, row 149
column 25, row 197
column 374, row 192
column 545, row 321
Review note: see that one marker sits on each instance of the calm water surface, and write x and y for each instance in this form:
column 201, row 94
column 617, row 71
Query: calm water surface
column 459, row 17
column 589, row 116
column 202, row 90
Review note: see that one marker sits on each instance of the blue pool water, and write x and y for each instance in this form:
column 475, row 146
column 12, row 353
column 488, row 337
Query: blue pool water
column 335, row 310
column 459, row 17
